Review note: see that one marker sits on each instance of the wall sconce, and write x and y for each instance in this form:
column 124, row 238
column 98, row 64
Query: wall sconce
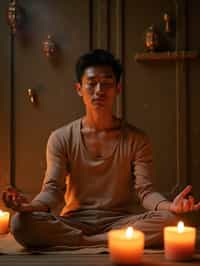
column 49, row 47
column 167, row 20
column 32, row 96
column 152, row 39
column 14, row 16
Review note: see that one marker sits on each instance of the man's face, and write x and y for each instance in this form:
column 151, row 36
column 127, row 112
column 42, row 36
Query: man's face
column 98, row 88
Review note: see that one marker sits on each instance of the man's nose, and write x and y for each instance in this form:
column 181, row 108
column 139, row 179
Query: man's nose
column 99, row 87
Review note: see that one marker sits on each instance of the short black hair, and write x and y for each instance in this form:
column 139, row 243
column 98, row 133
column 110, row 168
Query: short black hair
column 98, row 57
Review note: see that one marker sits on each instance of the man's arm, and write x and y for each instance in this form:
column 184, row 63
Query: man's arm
column 151, row 199
column 54, row 184
column 142, row 167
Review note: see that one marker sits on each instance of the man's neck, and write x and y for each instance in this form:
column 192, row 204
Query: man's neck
column 99, row 122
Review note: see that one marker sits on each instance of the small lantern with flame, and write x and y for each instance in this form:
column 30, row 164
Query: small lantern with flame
column 14, row 16
column 49, row 47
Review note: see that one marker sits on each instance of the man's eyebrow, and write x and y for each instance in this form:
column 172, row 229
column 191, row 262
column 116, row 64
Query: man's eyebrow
column 91, row 77
column 107, row 76
column 101, row 76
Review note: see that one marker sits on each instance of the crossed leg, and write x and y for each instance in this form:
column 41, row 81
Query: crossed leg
column 43, row 230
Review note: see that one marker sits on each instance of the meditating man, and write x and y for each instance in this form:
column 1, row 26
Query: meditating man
column 99, row 164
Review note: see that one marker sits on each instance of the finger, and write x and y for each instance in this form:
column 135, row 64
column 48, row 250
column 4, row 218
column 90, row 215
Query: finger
column 11, row 197
column 178, row 206
column 186, row 205
column 8, row 193
column 181, row 206
column 184, row 192
column 191, row 201
column 14, row 195
column 11, row 201
column 196, row 207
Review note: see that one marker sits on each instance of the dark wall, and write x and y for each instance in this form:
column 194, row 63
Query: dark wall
column 5, row 97
column 162, row 96
column 193, row 96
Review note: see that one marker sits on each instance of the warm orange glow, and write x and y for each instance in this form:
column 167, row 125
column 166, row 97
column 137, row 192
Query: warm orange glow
column 129, row 232
column 180, row 227
column 179, row 242
column 4, row 222
column 126, row 246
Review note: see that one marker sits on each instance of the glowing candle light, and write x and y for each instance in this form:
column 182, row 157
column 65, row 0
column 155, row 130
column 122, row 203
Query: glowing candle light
column 129, row 232
column 4, row 222
column 179, row 242
column 126, row 246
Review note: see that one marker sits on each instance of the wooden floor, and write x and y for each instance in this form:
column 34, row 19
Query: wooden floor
column 84, row 260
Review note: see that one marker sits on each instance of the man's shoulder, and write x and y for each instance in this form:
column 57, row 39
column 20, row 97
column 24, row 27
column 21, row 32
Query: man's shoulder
column 133, row 130
column 67, row 130
column 137, row 137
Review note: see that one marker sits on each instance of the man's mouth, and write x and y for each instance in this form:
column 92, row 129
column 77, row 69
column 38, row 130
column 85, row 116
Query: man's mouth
column 98, row 100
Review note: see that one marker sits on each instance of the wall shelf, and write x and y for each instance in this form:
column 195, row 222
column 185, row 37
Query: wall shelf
column 166, row 56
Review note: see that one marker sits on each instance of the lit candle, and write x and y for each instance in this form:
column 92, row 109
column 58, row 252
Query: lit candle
column 4, row 222
column 126, row 246
column 179, row 242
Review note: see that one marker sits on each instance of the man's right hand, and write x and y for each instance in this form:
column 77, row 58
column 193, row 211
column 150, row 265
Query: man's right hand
column 16, row 201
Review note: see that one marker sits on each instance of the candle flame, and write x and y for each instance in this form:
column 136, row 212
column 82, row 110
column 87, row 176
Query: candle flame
column 180, row 227
column 129, row 232
column 1, row 213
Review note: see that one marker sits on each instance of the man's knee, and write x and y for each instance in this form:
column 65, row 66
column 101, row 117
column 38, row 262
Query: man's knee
column 18, row 222
column 21, row 221
column 23, row 228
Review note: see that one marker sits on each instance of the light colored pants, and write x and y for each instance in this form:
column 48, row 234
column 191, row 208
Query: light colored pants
column 85, row 228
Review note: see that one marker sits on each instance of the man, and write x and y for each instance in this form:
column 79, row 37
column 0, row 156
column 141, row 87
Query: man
column 106, row 161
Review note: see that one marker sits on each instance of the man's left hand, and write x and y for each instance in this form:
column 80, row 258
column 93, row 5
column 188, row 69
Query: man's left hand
column 184, row 203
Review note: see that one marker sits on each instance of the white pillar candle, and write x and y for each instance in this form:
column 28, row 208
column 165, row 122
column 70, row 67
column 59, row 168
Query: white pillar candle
column 126, row 245
column 4, row 222
column 179, row 242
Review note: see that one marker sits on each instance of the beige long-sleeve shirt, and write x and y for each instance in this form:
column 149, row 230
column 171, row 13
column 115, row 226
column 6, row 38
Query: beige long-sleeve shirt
column 108, row 183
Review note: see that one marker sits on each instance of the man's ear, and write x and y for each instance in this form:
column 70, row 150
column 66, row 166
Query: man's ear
column 78, row 88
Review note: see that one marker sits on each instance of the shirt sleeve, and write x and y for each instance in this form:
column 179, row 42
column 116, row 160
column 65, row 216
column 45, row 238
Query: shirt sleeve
column 142, row 171
column 54, row 184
